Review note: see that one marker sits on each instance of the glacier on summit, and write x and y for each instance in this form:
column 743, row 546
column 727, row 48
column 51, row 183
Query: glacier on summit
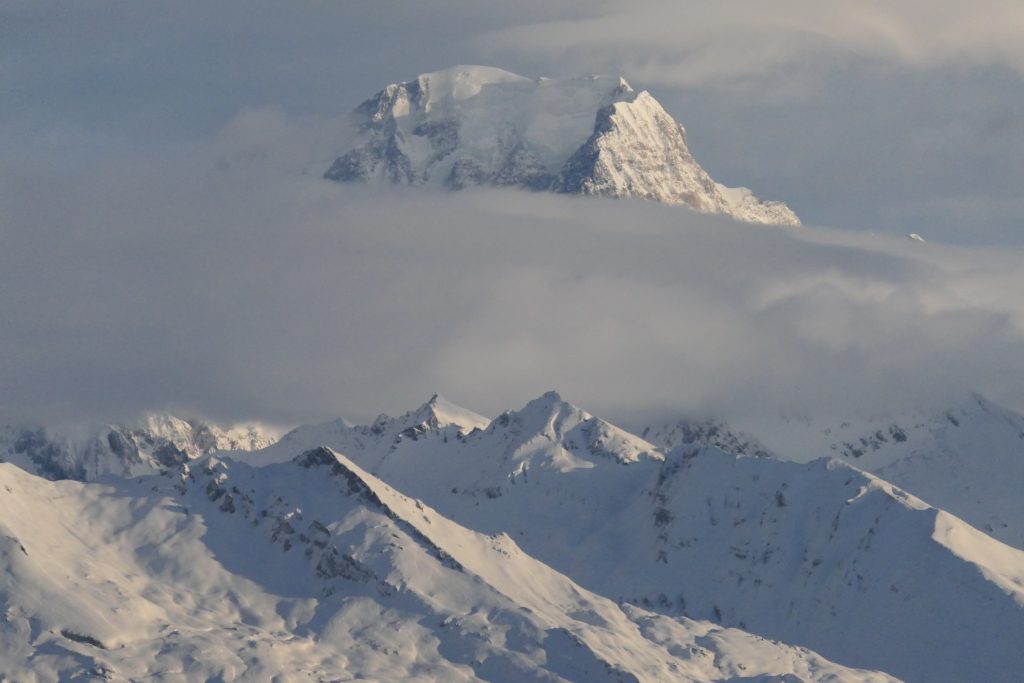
column 473, row 125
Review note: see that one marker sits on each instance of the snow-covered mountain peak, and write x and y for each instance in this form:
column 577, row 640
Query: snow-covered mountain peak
column 550, row 429
column 439, row 412
column 638, row 150
column 317, row 570
column 819, row 553
column 593, row 135
column 316, row 457
column 197, row 436
column 545, row 408
column 438, row 418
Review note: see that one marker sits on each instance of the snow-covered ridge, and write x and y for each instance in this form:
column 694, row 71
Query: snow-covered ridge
column 819, row 554
column 312, row 569
column 594, row 135
column 547, row 544
column 153, row 443
column 548, row 433
column 704, row 432
column 967, row 459
column 437, row 419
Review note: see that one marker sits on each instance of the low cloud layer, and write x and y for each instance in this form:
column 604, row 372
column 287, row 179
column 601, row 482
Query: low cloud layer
column 224, row 282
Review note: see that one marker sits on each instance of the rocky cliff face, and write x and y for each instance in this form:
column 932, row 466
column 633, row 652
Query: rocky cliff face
column 473, row 126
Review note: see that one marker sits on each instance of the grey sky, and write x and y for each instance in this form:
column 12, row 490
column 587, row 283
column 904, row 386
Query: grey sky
column 165, row 240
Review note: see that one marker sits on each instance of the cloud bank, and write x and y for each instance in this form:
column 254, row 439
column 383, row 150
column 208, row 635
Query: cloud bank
column 663, row 41
column 222, row 281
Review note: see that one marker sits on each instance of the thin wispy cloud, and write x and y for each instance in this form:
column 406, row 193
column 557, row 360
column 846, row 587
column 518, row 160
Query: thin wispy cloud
column 695, row 43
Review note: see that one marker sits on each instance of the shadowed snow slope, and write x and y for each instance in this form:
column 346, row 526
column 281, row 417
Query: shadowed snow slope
column 475, row 125
column 967, row 459
column 312, row 569
column 819, row 554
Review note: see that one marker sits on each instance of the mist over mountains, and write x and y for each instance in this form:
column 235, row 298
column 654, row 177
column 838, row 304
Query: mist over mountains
column 231, row 286
column 240, row 245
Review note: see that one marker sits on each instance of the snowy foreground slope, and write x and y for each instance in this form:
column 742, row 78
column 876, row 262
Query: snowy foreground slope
column 312, row 569
column 967, row 459
column 475, row 125
column 820, row 554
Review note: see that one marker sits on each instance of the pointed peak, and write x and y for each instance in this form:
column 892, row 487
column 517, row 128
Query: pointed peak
column 574, row 430
column 548, row 403
column 644, row 104
column 316, row 457
column 440, row 412
column 546, row 407
column 428, row 410
column 551, row 395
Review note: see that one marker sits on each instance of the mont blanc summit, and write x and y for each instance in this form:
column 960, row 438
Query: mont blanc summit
column 593, row 135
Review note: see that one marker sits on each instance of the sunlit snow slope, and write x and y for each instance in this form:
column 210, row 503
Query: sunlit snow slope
column 819, row 554
column 546, row 544
column 313, row 570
